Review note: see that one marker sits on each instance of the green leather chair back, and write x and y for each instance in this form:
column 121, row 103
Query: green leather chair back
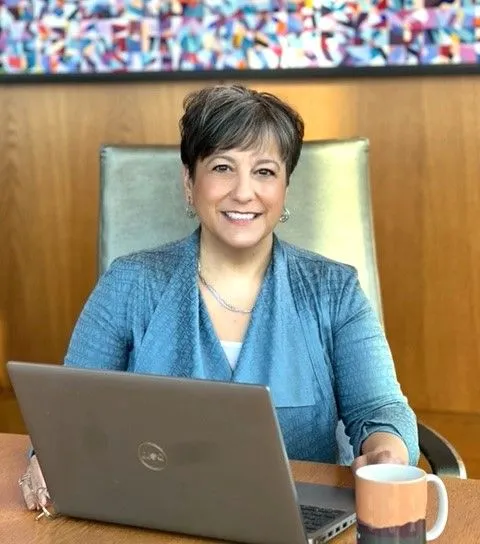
column 142, row 204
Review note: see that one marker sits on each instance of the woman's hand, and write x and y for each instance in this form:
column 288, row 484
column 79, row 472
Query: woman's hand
column 381, row 448
column 376, row 458
column 33, row 486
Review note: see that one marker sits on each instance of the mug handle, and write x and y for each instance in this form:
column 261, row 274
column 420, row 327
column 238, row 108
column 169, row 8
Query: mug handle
column 442, row 515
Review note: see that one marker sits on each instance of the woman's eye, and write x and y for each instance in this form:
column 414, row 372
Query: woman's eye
column 221, row 168
column 266, row 172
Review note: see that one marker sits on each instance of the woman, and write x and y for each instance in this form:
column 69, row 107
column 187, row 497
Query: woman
column 233, row 302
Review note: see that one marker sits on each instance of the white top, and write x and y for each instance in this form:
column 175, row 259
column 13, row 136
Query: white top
column 232, row 351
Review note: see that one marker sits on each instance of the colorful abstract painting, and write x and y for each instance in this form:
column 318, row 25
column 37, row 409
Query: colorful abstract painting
column 76, row 37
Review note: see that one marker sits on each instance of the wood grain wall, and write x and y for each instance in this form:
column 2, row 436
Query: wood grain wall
column 425, row 166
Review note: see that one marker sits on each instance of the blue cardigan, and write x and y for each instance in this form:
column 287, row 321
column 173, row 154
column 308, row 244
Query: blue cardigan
column 313, row 338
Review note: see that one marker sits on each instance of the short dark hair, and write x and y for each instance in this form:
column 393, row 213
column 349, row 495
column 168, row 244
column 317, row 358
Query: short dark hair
column 225, row 117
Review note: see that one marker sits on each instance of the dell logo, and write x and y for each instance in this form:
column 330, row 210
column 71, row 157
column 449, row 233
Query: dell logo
column 152, row 456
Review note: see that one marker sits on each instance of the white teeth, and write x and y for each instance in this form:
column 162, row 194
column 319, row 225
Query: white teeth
column 240, row 216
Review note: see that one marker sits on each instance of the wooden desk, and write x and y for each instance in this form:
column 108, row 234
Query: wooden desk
column 18, row 526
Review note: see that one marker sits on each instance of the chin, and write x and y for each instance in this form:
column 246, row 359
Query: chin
column 245, row 242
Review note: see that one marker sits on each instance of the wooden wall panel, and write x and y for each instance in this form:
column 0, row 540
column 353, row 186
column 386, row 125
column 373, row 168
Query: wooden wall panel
column 49, row 200
column 425, row 174
column 425, row 136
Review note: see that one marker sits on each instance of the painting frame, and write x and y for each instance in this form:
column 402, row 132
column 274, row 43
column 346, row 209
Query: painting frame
column 197, row 39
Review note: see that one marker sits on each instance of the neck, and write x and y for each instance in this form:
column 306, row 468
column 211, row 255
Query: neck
column 217, row 260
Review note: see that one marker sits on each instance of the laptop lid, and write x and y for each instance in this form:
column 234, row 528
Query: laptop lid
column 180, row 455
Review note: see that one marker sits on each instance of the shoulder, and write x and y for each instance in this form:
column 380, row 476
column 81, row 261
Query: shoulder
column 155, row 264
column 328, row 285
column 316, row 268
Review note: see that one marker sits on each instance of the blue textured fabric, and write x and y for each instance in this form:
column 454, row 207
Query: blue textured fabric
column 313, row 338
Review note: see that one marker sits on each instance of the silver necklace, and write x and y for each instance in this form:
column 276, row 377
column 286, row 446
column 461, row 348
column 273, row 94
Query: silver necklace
column 217, row 296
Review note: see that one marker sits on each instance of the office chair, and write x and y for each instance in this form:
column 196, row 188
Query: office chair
column 142, row 206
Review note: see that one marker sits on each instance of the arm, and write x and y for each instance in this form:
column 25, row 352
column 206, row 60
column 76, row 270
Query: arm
column 102, row 337
column 380, row 423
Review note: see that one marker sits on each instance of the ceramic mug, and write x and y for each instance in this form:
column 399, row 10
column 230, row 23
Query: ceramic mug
column 391, row 505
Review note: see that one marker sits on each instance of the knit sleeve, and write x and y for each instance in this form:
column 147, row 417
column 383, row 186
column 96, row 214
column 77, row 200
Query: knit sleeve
column 369, row 396
column 102, row 337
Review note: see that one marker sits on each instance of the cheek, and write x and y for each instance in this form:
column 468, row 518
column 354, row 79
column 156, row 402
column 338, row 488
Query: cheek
column 207, row 192
column 275, row 197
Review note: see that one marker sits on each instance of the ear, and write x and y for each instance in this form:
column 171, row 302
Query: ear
column 187, row 184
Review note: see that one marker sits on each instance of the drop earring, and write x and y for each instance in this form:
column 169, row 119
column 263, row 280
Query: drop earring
column 285, row 215
column 190, row 210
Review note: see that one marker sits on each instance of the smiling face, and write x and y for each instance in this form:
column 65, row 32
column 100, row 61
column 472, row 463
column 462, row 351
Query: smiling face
column 239, row 195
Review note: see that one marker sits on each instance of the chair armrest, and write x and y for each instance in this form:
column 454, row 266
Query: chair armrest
column 442, row 457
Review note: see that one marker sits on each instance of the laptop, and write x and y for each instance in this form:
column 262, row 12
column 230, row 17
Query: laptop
column 189, row 456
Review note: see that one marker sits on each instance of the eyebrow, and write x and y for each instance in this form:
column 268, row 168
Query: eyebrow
column 230, row 159
column 266, row 161
column 216, row 157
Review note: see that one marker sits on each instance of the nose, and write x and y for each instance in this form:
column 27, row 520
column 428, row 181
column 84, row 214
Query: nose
column 244, row 190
